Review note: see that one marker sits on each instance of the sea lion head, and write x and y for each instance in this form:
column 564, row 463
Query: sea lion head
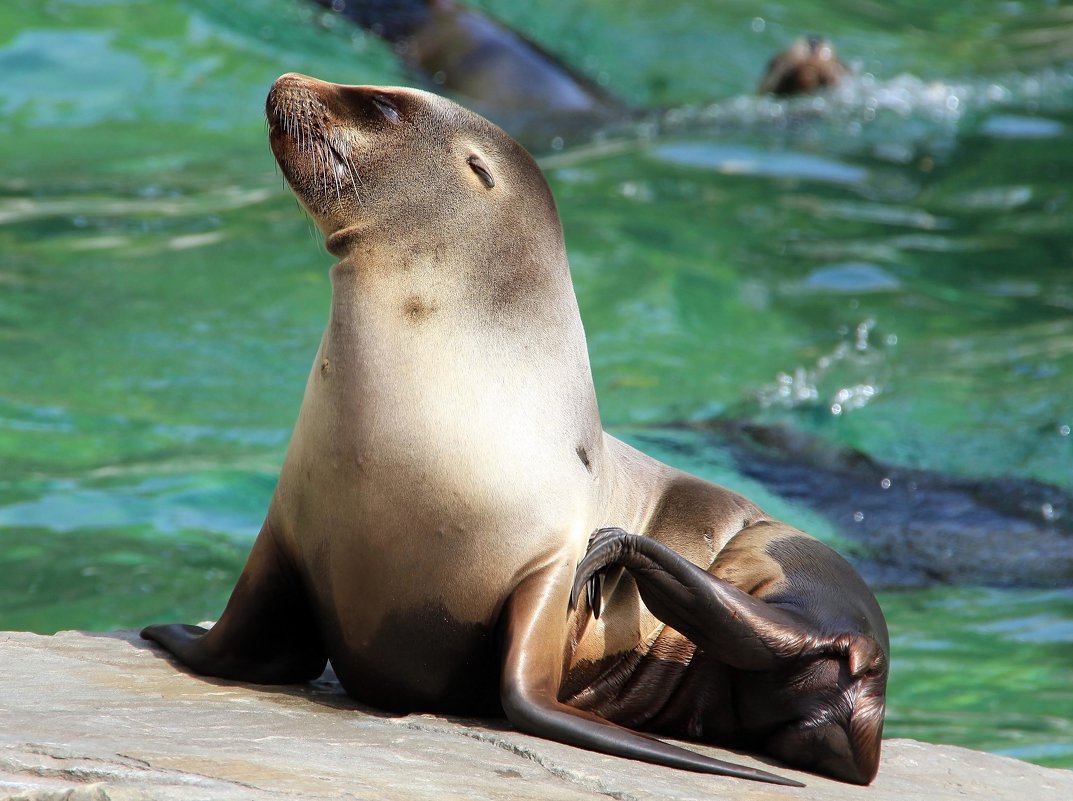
column 414, row 175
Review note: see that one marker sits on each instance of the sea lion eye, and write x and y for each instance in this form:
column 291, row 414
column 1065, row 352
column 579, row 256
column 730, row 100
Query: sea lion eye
column 386, row 107
column 477, row 164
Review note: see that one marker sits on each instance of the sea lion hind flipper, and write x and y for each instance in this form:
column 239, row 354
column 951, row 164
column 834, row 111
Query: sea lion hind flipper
column 266, row 635
column 534, row 634
column 835, row 714
column 746, row 632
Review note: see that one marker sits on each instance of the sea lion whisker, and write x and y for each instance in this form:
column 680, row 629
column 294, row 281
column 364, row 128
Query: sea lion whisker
column 355, row 181
column 335, row 177
column 325, row 169
column 340, row 163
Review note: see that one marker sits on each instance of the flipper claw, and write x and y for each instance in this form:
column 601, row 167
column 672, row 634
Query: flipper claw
column 595, row 589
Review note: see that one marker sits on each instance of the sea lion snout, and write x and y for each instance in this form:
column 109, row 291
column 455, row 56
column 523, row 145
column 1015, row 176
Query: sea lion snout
column 294, row 95
column 319, row 133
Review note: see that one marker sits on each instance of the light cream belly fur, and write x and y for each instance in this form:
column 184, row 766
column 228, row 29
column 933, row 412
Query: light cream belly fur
column 420, row 481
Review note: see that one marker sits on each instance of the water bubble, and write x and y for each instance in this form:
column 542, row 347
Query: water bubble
column 557, row 143
column 858, row 517
column 997, row 93
column 855, row 397
column 885, row 483
column 892, row 339
column 1063, row 431
column 1048, row 511
column 758, row 25
column 836, row 409
column 863, row 330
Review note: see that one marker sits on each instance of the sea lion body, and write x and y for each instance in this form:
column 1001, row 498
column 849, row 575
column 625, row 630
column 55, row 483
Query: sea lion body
column 432, row 532
column 410, row 516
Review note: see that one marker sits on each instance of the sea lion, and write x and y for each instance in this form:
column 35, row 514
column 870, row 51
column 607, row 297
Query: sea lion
column 430, row 527
column 808, row 65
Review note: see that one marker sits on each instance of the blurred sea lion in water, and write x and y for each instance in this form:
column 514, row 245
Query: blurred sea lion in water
column 809, row 65
column 482, row 63
column 916, row 527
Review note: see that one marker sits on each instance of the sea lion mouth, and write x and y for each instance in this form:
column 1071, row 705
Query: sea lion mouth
column 310, row 148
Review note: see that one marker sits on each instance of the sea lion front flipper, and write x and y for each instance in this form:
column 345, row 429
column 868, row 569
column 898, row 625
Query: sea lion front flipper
column 534, row 633
column 266, row 635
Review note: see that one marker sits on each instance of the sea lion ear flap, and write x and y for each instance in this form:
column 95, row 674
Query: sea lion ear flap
column 481, row 169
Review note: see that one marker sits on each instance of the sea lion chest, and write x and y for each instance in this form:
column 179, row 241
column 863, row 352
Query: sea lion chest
column 426, row 476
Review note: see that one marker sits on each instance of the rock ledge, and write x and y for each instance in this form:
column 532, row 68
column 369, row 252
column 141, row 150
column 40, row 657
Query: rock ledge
column 104, row 717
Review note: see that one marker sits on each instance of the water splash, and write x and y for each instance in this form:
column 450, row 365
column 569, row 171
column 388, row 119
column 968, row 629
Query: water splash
column 895, row 118
column 845, row 379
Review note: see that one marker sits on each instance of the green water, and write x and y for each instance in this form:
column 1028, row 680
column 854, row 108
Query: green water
column 889, row 268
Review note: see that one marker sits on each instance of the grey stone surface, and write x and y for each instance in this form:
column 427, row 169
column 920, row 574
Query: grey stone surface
column 87, row 716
